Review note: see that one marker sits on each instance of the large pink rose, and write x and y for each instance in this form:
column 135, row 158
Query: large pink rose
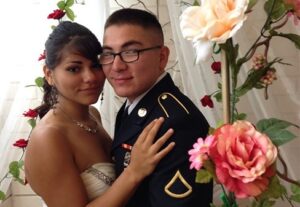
column 243, row 158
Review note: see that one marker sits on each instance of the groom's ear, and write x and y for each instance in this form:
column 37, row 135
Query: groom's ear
column 164, row 57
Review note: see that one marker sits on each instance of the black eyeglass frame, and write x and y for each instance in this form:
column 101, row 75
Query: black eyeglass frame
column 138, row 51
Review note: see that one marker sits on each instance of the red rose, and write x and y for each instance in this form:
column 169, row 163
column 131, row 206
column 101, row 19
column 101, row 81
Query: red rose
column 42, row 56
column 216, row 67
column 22, row 143
column 30, row 113
column 56, row 14
column 206, row 101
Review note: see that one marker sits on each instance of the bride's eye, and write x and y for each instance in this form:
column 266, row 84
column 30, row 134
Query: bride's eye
column 73, row 69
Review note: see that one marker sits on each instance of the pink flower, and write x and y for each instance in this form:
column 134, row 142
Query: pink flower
column 21, row 143
column 243, row 158
column 199, row 153
column 216, row 67
column 30, row 113
column 56, row 14
column 206, row 101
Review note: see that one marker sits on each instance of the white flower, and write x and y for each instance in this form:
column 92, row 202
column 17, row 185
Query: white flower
column 213, row 21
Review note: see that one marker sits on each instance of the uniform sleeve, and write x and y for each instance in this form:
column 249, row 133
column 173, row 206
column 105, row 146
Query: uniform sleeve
column 173, row 183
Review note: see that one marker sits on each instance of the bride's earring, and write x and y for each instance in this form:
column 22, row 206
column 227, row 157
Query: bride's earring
column 101, row 97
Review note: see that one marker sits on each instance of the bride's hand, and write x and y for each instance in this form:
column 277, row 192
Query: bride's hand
column 145, row 154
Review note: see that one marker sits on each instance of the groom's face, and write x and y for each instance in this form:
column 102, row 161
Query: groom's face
column 132, row 79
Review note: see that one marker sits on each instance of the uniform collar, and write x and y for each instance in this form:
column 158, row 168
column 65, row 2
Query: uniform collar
column 133, row 104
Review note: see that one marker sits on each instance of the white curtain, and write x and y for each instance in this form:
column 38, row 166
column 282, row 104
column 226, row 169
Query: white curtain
column 284, row 97
column 25, row 28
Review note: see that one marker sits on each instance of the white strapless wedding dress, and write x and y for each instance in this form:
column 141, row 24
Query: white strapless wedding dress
column 97, row 179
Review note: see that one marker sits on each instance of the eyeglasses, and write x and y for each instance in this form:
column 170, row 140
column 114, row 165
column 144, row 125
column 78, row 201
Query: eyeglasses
column 127, row 56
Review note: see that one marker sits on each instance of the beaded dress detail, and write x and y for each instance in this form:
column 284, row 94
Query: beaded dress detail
column 98, row 178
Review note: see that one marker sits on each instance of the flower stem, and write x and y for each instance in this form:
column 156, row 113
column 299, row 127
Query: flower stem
column 225, row 87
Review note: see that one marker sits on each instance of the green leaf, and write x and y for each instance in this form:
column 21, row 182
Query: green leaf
column 281, row 137
column 31, row 122
column 252, row 79
column 39, row 81
column 2, row 195
column 275, row 8
column 218, row 96
column 275, row 129
column 211, row 130
column 70, row 14
column 295, row 188
column 69, row 3
column 275, row 189
column 61, row 5
column 296, row 198
column 203, row 176
column 273, row 123
column 14, row 169
column 241, row 116
column 196, row 3
column 251, row 4
column 293, row 37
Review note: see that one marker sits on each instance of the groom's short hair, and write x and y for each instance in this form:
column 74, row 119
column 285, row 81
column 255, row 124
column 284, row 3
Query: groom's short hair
column 137, row 17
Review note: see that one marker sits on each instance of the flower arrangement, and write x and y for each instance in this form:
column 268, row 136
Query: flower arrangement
column 16, row 167
column 238, row 155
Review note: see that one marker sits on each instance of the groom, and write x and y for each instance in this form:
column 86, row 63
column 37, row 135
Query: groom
column 134, row 59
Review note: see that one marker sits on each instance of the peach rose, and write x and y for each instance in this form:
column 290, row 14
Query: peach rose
column 213, row 21
column 243, row 158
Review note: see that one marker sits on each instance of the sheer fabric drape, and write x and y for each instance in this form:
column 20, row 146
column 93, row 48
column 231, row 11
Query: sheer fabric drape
column 25, row 28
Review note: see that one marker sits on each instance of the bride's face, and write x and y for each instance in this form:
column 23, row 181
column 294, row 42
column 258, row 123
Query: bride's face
column 76, row 79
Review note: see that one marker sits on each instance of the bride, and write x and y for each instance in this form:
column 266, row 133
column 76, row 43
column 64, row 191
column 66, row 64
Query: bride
column 68, row 160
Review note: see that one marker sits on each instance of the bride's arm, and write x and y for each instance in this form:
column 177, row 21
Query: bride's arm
column 145, row 156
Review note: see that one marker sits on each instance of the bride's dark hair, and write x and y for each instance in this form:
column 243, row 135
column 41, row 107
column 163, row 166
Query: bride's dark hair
column 71, row 36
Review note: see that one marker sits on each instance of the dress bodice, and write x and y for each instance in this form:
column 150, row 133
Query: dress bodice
column 98, row 178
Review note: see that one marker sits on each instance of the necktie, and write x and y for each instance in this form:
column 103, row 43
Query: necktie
column 125, row 113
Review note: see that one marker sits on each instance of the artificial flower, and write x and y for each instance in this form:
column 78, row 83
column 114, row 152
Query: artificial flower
column 30, row 113
column 213, row 21
column 56, row 14
column 269, row 77
column 216, row 67
column 199, row 153
column 21, row 143
column 243, row 158
column 259, row 61
column 42, row 56
column 206, row 101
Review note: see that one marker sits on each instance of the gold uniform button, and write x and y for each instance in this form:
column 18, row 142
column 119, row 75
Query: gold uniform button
column 142, row 112
column 164, row 97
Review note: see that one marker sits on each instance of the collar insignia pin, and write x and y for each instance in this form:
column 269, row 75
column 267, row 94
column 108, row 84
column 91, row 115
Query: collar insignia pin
column 142, row 112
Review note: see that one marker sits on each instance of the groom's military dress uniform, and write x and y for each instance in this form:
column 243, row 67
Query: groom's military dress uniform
column 172, row 183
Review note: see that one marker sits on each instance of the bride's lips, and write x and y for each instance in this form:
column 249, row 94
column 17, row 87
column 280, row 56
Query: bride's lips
column 91, row 90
